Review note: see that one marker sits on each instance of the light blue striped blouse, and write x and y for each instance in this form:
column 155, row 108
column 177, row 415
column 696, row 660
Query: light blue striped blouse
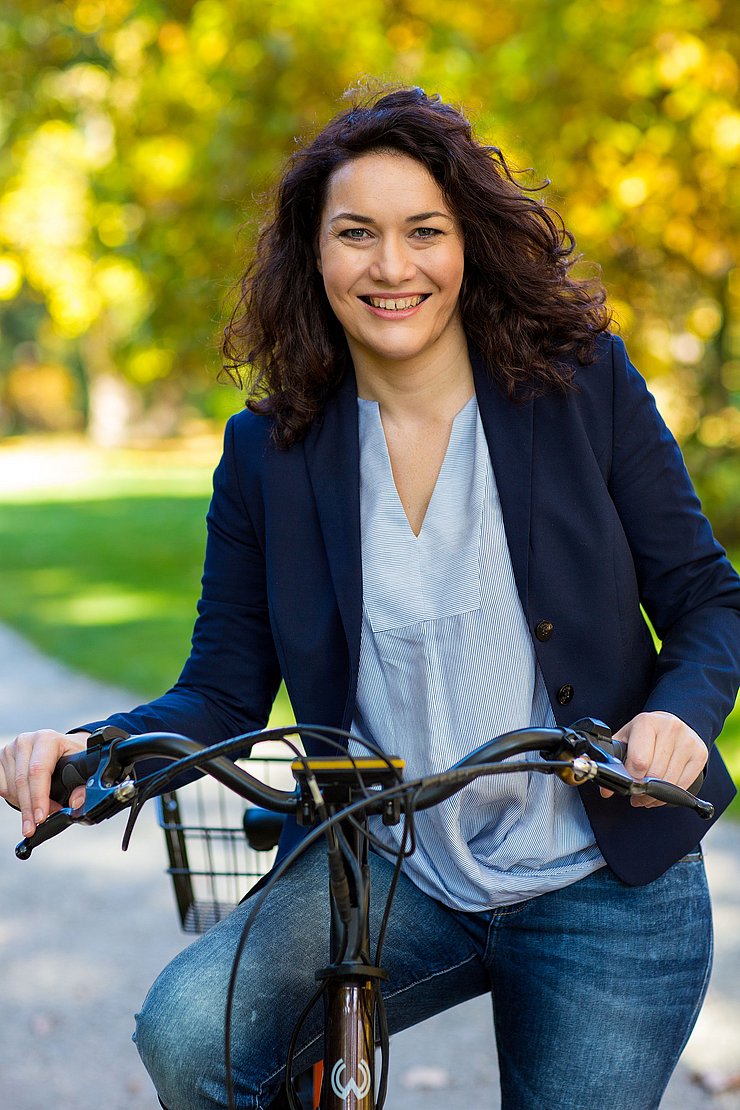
column 447, row 662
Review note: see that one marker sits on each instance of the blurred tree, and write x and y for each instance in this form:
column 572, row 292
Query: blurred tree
column 137, row 134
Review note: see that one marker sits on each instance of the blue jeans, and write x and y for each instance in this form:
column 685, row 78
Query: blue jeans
column 595, row 987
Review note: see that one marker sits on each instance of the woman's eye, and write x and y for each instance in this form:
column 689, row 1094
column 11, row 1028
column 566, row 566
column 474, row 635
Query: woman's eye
column 426, row 232
column 357, row 234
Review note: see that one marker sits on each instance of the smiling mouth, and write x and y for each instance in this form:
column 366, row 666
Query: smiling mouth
column 395, row 304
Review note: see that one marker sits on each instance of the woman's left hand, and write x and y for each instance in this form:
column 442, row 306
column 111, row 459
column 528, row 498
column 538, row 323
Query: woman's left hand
column 661, row 746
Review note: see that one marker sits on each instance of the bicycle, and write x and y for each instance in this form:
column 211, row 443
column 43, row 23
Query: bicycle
column 333, row 798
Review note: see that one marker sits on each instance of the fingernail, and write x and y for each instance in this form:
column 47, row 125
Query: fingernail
column 38, row 816
column 27, row 828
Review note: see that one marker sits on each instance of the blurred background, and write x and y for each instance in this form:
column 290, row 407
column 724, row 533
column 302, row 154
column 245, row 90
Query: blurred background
column 137, row 140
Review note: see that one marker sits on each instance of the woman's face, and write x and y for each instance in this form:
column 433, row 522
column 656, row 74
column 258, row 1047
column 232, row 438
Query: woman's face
column 391, row 254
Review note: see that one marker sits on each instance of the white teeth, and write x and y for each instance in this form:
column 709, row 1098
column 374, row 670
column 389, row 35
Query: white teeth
column 396, row 304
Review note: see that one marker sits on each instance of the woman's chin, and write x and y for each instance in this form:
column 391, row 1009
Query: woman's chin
column 396, row 351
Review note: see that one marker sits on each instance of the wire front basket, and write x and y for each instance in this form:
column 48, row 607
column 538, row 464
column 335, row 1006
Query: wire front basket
column 212, row 865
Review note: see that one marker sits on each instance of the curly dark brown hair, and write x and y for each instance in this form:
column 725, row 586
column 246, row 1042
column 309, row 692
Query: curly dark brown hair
column 520, row 306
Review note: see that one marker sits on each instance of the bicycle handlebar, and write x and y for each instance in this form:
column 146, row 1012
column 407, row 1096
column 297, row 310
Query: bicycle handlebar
column 587, row 737
column 76, row 769
column 586, row 751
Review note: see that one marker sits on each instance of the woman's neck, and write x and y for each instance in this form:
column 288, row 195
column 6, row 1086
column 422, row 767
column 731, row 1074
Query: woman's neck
column 434, row 386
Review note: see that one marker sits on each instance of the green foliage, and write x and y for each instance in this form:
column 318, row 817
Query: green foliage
column 137, row 136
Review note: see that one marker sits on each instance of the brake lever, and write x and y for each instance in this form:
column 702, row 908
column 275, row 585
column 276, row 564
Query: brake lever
column 102, row 800
column 675, row 795
column 613, row 776
column 591, row 754
column 52, row 826
column 608, row 749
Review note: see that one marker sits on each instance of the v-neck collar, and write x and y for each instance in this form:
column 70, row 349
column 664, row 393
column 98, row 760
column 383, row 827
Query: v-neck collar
column 409, row 578
column 372, row 437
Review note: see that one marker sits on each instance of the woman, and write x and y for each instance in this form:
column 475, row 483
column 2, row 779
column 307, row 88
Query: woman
column 437, row 523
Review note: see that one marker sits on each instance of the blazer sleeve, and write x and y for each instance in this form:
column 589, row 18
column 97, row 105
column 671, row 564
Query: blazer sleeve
column 687, row 586
column 231, row 678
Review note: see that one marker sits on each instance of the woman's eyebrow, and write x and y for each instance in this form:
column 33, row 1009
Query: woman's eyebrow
column 427, row 216
column 355, row 217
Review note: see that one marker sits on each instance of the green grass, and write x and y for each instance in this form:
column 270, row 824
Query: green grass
column 103, row 570
column 108, row 586
column 101, row 563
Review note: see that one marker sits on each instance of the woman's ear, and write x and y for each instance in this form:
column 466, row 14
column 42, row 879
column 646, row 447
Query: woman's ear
column 318, row 263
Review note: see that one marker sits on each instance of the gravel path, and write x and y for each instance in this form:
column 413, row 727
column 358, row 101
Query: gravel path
column 84, row 930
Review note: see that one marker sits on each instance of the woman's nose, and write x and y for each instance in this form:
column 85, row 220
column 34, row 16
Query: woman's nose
column 392, row 263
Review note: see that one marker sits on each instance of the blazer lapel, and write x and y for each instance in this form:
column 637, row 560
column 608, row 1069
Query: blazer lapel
column 332, row 451
column 508, row 428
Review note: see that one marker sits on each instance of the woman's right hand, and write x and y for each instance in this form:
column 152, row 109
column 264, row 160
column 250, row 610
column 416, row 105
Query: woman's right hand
column 26, row 766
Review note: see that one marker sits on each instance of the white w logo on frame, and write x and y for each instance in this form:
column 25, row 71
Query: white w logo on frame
column 344, row 1090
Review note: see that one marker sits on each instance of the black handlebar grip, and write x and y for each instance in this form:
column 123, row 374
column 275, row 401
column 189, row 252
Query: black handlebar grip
column 619, row 749
column 71, row 771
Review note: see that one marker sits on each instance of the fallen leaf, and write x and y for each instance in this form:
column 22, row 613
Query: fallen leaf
column 43, row 1024
column 717, row 1082
column 425, row 1079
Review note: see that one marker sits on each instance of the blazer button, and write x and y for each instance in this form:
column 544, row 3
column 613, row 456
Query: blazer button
column 544, row 630
column 565, row 694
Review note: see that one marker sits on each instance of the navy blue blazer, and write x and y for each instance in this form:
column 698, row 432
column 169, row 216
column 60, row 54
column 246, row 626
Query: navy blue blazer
column 600, row 517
